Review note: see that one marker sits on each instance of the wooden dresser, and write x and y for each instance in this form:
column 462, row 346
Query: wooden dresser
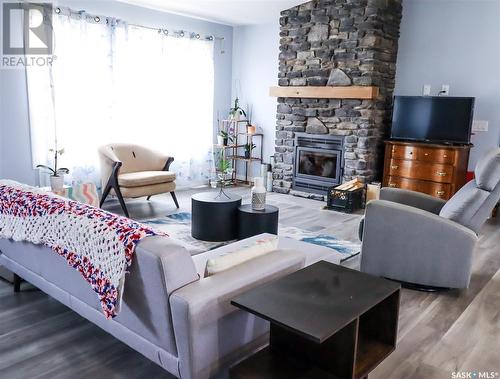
column 437, row 170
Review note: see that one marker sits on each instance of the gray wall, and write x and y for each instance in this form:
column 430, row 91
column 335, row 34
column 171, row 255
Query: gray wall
column 455, row 42
column 15, row 150
column 255, row 69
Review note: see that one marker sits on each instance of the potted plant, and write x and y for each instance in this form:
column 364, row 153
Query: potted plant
column 57, row 174
column 236, row 111
column 223, row 170
column 248, row 150
column 251, row 129
column 223, row 137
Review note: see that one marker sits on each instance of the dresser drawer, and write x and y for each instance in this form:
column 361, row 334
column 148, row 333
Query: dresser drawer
column 403, row 183
column 435, row 155
column 441, row 190
column 425, row 154
column 404, row 152
column 442, row 173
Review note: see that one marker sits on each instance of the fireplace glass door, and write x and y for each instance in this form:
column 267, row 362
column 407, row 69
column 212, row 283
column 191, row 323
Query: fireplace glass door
column 317, row 165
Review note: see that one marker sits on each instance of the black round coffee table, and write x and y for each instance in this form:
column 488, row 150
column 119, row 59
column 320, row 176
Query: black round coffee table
column 214, row 216
column 252, row 222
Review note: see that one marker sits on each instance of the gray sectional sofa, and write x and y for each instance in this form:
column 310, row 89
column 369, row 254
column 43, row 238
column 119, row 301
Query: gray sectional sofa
column 170, row 313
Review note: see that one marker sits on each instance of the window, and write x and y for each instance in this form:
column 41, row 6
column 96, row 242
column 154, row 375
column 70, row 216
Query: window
column 111, row 82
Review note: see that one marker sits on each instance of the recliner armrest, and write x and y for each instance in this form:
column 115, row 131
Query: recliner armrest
column 405, row 243
column 415, row 199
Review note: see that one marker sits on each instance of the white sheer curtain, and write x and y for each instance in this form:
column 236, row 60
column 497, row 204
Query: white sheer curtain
column 115, row 83
column 164, row 97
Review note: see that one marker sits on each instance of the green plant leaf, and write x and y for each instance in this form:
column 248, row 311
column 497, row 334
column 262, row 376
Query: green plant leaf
column 46, row 168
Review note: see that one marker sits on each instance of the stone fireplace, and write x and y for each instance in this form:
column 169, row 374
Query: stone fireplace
column 337, row 43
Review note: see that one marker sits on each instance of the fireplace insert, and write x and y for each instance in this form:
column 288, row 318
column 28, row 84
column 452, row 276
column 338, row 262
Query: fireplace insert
column 318, row 162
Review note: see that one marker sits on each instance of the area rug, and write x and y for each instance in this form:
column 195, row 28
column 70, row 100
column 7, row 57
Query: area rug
column 178, row 227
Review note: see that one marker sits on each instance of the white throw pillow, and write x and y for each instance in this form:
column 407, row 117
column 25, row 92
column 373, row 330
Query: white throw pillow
column 229, row 260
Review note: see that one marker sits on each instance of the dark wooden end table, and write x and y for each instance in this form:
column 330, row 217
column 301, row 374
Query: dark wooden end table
column 327, row 322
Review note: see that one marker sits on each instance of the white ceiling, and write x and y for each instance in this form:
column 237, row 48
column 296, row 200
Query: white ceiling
column 230, row 12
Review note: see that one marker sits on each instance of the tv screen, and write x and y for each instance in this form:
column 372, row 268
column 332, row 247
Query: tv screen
column 433, row 119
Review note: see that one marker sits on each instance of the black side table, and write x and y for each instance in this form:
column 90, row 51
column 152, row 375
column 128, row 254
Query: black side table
column 252, row 222
column 327, row 322
column 214, row 216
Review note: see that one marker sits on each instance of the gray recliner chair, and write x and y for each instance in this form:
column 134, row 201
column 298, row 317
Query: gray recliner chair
column 419, row 239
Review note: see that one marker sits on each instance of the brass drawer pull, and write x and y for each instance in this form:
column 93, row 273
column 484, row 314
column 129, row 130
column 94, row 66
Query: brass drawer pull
column 426, row 154
column 392, row 185
column 395, row 167
column 440, row 173
column 445, row 156
column 440, row 193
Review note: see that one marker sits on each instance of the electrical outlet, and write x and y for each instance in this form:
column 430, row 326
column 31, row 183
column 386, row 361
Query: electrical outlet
column 426, row 90
column 445, row 90
column 480, row 126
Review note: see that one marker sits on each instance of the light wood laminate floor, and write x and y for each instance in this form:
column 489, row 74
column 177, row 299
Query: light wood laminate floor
column 438, row 332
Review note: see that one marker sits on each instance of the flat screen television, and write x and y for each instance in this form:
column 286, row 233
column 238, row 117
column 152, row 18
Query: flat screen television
column 441, row 119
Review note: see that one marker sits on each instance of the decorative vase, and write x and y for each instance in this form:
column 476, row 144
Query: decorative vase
column 220, row 140
column 57, row 183
column 263, row 173
column 258, row 195
column 247, row 154
column 251, row 129
column 269, row 183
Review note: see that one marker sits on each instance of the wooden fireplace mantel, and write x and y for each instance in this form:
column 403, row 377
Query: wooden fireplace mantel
column 326, row 92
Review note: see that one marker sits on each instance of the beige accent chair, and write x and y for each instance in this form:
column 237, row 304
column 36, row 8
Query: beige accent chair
column 131, row 171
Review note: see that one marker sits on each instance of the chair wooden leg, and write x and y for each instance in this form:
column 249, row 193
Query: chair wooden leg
column 113, row 184
column 149, row 197
column 122, row 202
column 105, row 194
column 175, row 199
column 17, row 283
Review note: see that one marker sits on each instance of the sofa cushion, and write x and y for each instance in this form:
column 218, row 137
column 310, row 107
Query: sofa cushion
column 488, row 170
column 465, row 204
column 314, row 253
column 145, row 178
column 253, row 250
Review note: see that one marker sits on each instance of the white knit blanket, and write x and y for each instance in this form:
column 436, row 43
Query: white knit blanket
column 99, row 244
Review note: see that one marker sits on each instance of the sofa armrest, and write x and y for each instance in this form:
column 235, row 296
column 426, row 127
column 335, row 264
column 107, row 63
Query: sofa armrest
column 415, row 199
column 412, row 245
column 208, row 328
